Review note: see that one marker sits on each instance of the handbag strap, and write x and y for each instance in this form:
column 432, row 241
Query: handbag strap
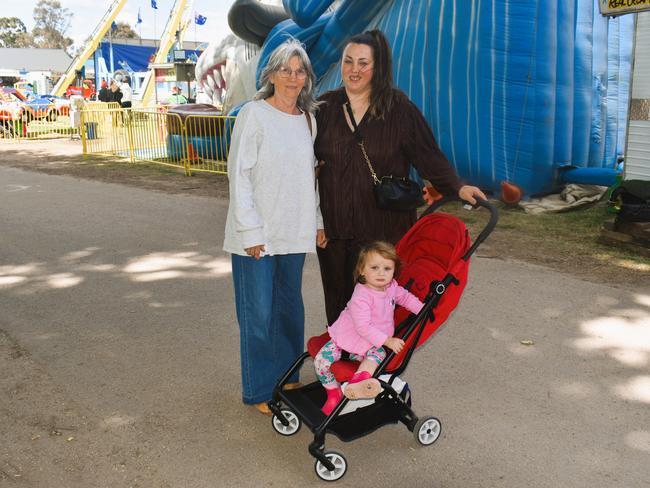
column 359, row 139
column 311, row 132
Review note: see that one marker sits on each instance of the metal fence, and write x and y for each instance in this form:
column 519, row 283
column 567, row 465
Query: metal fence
column 97, row 105
column 28, row 128
column 43, row 123
column 193, row 143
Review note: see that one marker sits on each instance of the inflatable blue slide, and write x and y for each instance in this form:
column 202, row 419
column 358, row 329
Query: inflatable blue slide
column 513, row 90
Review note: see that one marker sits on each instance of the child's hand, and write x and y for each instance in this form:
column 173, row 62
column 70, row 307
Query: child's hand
column 394, row 343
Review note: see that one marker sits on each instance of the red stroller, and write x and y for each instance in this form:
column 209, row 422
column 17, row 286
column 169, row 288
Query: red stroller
column 435, row 256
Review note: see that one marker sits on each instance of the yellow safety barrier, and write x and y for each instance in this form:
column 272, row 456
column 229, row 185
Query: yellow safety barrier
column 28, row 127
column 97, row 105
column 208, row 139
column 198, row 143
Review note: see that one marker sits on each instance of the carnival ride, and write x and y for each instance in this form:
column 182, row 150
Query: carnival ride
column 24, row 114
column 90, row 47
column 34, row 107
column 177, row 23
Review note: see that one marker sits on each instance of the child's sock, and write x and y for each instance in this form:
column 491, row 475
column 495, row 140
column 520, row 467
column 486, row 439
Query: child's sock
column 359, row 376
column 334, row 397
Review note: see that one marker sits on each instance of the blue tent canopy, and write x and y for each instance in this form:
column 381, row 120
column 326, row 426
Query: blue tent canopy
column 134, row 55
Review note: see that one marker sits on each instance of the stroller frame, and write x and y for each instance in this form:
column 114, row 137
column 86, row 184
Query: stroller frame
column 302, row 405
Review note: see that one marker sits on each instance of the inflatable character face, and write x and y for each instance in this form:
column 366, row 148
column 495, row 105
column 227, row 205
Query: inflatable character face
column 226, row 71
column 219, row 63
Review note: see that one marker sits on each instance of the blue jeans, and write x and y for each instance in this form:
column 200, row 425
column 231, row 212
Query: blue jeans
column 271, row 316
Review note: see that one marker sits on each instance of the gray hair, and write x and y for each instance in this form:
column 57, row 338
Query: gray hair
column 280, row 57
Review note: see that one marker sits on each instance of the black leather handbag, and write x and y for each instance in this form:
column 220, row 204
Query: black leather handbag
column 398, row 193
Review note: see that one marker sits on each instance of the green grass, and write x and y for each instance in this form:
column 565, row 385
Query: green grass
column 567, row 241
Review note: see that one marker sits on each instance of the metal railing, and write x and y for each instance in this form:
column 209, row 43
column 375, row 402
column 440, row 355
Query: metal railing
column 97, row 105
column 194, row 143
column 29, row 124
column 28, row 127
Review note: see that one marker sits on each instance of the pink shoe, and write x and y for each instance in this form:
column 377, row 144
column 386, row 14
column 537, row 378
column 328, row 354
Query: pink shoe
column 359, row 376
column 334, row 397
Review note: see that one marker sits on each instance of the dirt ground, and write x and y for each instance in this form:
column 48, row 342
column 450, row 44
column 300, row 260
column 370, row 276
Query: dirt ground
column 64, row 157
column 511, row 239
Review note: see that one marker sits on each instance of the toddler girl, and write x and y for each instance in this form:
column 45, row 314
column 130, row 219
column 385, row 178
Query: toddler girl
column 365, row 325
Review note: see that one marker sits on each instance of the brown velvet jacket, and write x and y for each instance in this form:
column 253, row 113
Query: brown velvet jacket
column 402, row 137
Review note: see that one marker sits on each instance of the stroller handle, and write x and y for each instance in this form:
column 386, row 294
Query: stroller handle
column 487, row 230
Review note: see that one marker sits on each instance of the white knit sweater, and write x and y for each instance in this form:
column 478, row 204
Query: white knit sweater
column 273, row 200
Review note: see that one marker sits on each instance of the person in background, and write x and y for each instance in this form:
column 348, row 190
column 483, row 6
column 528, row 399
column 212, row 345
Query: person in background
column 273, row 219
column 395, row 134
column 177, row 98
column 115, row 94
column 104, row 93
column 127, row 93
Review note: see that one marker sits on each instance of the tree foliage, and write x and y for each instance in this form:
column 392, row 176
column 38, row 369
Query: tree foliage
column 51, row 22
column 12, row 32
column 123, row 31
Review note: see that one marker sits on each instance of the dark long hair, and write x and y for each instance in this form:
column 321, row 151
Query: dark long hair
column 381, row 85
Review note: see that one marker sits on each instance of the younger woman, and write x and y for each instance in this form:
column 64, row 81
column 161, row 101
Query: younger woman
column 365, row 325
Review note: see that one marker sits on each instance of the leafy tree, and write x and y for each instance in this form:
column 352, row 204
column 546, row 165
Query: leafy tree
column 51, row 22
column 11, row 29
column 123, row 31
column 25, row 39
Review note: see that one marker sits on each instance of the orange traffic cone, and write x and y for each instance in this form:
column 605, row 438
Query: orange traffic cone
column 191, row 154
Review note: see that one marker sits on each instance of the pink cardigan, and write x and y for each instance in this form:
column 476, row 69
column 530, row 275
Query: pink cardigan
column 367, row 320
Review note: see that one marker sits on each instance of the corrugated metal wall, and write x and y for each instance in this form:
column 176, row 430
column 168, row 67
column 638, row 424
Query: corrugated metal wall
column 637, row 155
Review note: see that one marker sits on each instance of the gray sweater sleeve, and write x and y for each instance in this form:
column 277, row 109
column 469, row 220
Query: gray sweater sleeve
column 242, row 158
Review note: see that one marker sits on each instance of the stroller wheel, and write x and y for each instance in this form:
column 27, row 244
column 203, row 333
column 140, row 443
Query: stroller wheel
column 340, row 466
column 294, row 423
column 427, row 430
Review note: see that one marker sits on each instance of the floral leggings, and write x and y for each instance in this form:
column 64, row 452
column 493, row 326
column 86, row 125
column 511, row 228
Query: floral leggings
column 330, row 353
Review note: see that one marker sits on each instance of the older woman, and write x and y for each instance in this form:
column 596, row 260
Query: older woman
column 273, row 218
column 395, row 134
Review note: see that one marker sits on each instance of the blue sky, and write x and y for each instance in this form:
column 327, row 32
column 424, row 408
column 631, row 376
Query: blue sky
column 87, row 13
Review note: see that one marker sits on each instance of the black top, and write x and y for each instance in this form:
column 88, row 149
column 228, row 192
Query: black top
column 103, row 95
column 346, row 196
column 114, row 96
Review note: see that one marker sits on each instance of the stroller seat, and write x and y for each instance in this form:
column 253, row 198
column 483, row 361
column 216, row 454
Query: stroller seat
column 343, row 369
column 430, row 250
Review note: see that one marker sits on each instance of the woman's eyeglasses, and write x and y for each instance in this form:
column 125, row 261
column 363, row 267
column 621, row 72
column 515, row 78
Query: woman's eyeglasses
column 285, row 72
